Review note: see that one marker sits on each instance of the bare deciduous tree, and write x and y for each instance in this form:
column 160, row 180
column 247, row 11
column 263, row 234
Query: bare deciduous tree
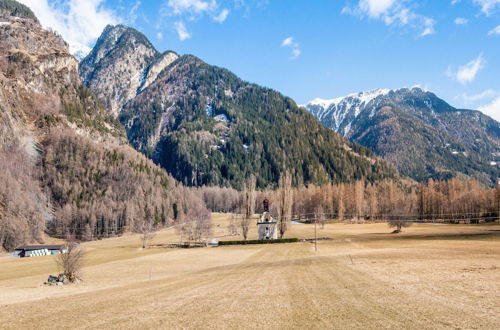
column 148, row 231
column 285, row 200
column 320, row 217
column 232, row 228
column 71, row 261
column 196, row 225
column 249, row 206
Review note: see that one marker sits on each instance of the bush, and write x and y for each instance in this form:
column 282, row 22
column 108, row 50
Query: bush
column 260, row 241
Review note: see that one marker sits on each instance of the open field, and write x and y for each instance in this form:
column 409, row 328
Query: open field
column 430, row 276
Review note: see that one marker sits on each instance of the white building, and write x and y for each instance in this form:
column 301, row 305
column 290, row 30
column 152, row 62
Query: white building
column 267, row 227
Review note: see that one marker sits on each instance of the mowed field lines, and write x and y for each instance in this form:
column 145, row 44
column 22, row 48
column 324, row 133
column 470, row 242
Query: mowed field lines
column 429, row 277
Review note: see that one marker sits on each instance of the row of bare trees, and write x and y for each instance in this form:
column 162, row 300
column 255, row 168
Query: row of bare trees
column 394, row 201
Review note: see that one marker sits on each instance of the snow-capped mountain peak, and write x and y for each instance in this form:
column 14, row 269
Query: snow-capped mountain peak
column 421, row 134
column 341, row 111
column 363, row 97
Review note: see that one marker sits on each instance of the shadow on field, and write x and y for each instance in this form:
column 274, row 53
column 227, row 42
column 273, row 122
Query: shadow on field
column 491, row 234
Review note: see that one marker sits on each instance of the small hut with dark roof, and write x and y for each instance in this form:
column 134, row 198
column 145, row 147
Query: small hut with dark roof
column 37, row 250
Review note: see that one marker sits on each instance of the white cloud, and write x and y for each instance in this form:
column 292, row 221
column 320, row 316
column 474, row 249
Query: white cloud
column 487, row 101
column 79, row 22
column 222, row 16
column 494, row 31
column 454, row 2
column 290, row 42
column 287, row 42
column 133, row 12
column 191, row 6
column 391, row 12
column 461, row 21
column 192, row 10
column 376, row 8
column 296, row 53
column 488, row 6
column 181, row 30
column 467, row 73
column 159, row 35
column 428, row 27
column 484, row 95
column 492, row 109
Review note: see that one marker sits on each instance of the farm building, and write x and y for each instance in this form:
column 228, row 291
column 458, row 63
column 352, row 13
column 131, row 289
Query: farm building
column 37, row 250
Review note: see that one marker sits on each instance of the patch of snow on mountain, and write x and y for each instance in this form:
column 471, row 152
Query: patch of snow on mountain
column 367, row 97
column 222, row 117
column 210, row 111
column 347, row 128
column 79, row 50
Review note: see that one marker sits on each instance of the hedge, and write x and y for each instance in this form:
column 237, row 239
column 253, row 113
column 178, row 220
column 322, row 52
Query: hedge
column 260, row 241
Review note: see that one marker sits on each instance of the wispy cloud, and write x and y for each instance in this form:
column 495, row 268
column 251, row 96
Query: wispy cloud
column 428, row 26
column 484, row 95
column 222, row 16
column 192, row 10
column 391, row 12
column 488, row 6
column 159, row 35
column 79, row 22
column 461, row 21
column 291, row 43
column 492, row 109
column 495, row 31
column 467, row 73
column 133, row 12
column 487, row 101
column 181, row 30
column 197, row 7
column 287, row 41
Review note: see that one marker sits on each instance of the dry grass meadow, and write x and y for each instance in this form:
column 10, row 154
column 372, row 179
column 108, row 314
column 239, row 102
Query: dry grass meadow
column 429, row 277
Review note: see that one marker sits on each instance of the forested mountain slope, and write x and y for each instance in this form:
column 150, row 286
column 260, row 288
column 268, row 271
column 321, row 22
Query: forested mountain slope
column 66, row 167
column 422, row 135
column 208, row 127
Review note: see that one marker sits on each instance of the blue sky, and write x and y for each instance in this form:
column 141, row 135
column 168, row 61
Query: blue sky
column 308, row 49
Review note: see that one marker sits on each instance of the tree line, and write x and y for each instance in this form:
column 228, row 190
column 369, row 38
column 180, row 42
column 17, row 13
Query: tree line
column 399, row 202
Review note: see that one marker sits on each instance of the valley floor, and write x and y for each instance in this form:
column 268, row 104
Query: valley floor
column 429, row 277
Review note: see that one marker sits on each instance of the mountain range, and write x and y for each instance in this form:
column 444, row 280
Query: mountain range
column 94, row 148
column 206, row 126
column 420, row 134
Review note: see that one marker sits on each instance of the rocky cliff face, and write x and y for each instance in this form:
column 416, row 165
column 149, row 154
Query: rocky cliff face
column 40, row 82
column 122, row 62
column 66, row 167
column 422, row 135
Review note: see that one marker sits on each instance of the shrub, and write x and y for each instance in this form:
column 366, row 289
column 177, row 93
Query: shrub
column 260, row 241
